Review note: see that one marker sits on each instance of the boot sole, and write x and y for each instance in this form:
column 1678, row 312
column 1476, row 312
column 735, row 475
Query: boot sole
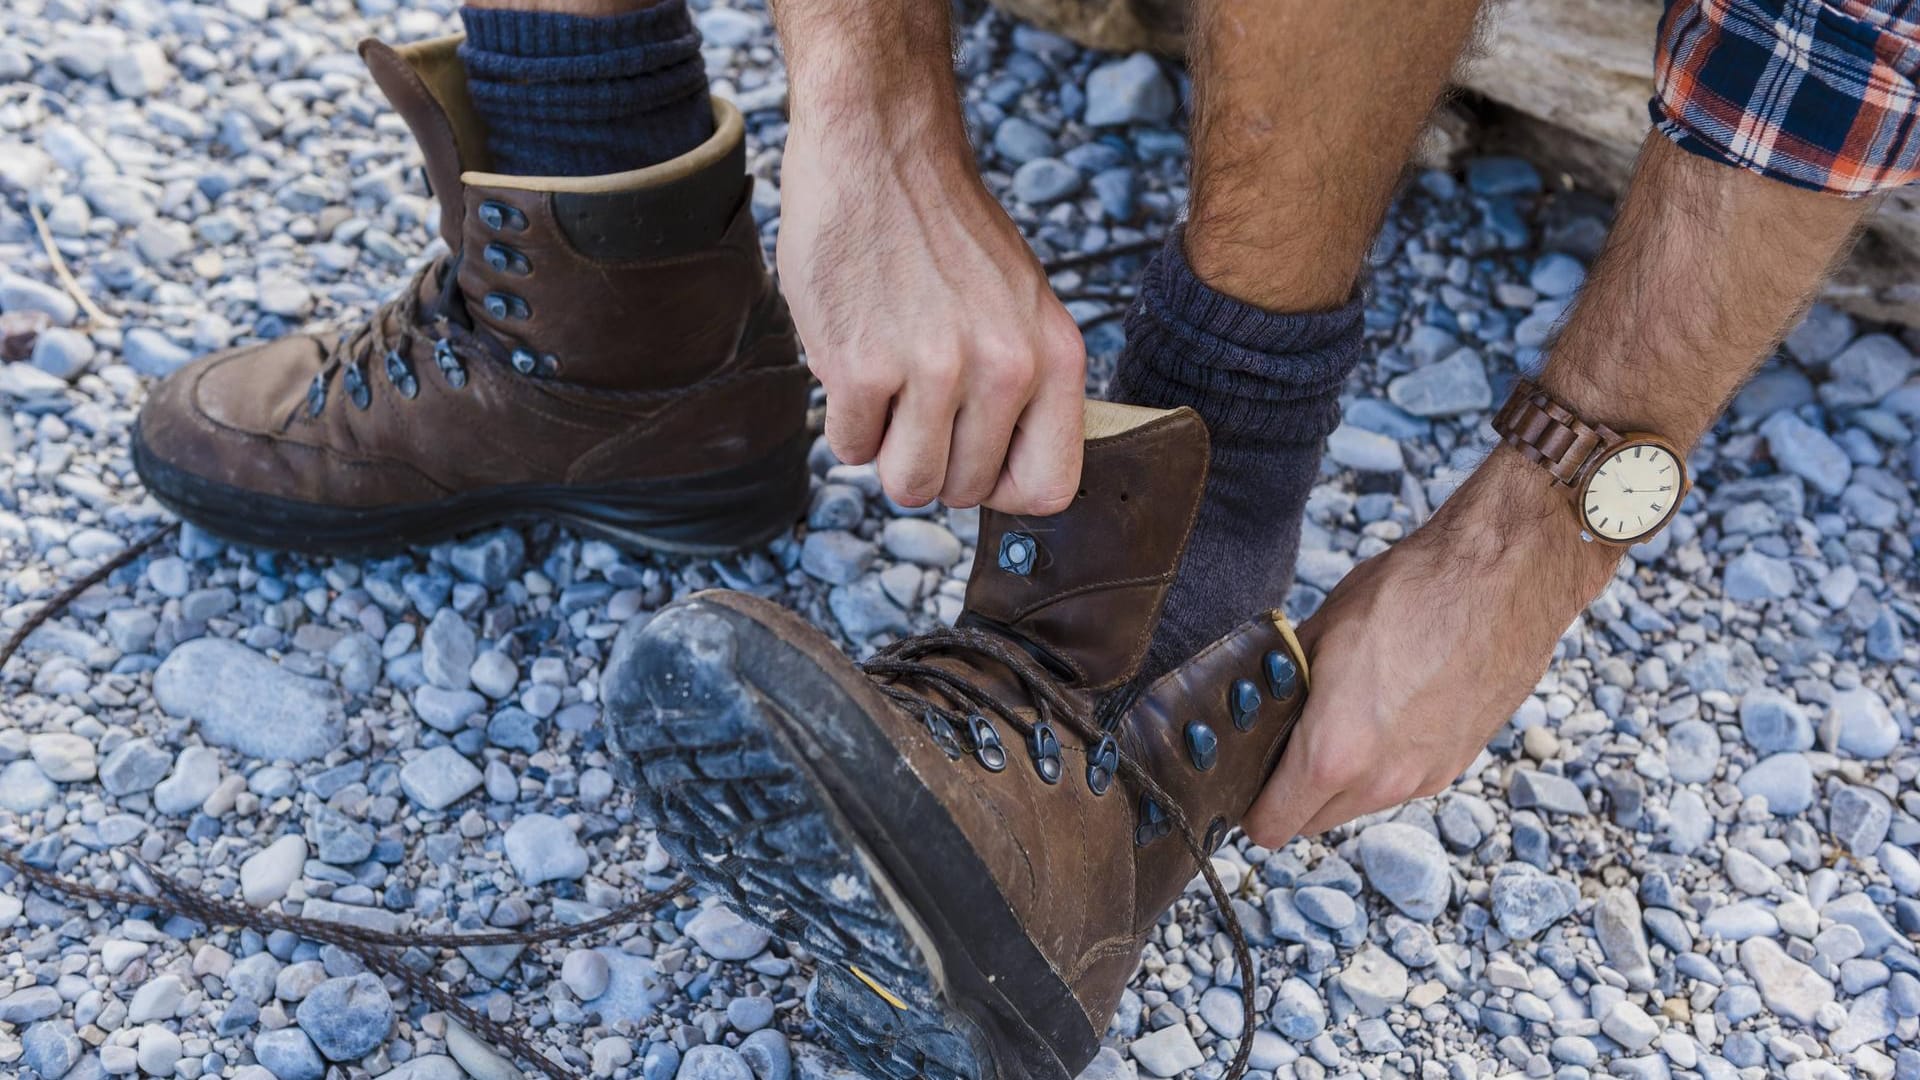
column 706, row 514
column 726, row 729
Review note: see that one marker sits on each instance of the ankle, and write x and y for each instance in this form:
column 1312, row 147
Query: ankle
column 565, row 94
column 1258, row 377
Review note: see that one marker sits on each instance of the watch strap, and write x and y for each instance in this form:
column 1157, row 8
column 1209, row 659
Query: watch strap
column 1549, row 433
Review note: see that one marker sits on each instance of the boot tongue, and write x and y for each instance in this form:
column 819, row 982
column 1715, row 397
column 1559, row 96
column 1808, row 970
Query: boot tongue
column 1086, row 585
column 427, row 86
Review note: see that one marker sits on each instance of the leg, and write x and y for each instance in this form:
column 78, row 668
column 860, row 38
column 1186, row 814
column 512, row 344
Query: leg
column 585, row 87
column 1299, row 141
column 1297, row 146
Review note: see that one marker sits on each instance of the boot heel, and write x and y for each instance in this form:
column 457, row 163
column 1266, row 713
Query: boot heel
column 885, row 1038
column 714, row 513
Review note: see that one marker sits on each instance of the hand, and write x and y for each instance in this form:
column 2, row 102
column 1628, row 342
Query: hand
column 1422, row 652
column 946, row 357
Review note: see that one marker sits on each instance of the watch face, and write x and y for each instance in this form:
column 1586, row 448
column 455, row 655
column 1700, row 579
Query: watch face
column 1633, row 492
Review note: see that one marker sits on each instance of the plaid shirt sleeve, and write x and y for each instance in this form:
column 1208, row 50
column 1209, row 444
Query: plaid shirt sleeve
column 1817, row 94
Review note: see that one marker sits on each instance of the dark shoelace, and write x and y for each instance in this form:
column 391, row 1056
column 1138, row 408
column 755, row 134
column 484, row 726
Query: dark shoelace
column 906, row 660
column 378, row 950
column 388, row 333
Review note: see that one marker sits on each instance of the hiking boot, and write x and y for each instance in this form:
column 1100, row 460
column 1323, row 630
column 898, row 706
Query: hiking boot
column 608, row 351
column 975, row 830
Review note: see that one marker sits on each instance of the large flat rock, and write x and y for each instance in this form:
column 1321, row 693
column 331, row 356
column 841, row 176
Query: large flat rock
column 244, row 701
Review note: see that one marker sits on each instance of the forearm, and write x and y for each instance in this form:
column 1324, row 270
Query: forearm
column 1706, row 269
column 879, row 73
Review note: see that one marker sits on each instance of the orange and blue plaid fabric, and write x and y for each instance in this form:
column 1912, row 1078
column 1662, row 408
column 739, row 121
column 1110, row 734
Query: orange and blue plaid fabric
column 1821, row 95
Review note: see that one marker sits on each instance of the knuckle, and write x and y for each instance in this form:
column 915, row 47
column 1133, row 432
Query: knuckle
column 1329, row 772
column 941, row 370
column 910, row 485
column 1006, row 377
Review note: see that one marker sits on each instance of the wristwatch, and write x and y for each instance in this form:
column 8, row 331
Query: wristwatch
column 1624, row 488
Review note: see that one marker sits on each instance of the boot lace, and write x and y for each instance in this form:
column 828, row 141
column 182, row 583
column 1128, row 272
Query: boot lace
column 389, row 334
column 970, row 730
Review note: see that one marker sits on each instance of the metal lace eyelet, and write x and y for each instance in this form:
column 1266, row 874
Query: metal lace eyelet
column 317, row 395
column 1044, row 745
column 987, row 747
column 944, row 736
column 525, row 362
column 1203, row 746
column 1244, row 701
column 1153, row 825
column 1283, row 676
column 357, row 389
column 503, row 306
column 1102, row 765
column 449, row 364
column 400, row 373
column 500, row 216
column 506, row 260
column 1017, row 552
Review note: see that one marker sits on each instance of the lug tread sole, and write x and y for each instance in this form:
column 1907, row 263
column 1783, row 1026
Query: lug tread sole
column 732, row 800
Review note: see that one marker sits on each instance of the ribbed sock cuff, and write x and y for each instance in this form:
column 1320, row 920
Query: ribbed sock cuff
column 539, row 46
column 575, row 95
column 1258, row 377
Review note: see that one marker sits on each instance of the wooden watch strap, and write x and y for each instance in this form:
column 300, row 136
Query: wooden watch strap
column 1548, row 433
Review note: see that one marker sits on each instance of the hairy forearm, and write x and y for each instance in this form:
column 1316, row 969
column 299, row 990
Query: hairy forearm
column 1706, row 269
column 879, row 72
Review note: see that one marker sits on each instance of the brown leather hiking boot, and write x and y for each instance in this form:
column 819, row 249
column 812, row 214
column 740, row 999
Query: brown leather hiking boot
column 976, row 830
column 609, row 351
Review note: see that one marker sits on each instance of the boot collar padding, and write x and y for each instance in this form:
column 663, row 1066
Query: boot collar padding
column 729, row 130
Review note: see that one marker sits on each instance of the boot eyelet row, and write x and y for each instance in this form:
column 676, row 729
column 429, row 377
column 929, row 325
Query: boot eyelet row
column 501, row 217
column 947, row 739
column 1243, row 701
column 1045, row 747
column 527, row 362
column 400, row 374
column 449, row 364
column 1154, row 823
column 1017, row 552
column 987, row 747
column 506, row 260
column 1203, row 746
column 1283, row 676
column 358, row 391
column 503, row 306
column 1103, row 764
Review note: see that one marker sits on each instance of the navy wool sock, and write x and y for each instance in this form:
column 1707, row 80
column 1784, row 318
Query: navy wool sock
column 571, row 95
column 1268, row 386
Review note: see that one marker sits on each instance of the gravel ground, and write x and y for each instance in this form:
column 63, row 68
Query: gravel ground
column 1691, row 853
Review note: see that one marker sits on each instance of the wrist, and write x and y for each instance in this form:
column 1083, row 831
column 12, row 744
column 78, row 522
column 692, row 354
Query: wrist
column 1515, row 514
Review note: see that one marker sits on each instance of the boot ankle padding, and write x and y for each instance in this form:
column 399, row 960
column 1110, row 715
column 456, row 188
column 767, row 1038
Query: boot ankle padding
column 1105, row 419
column 677, row 207
column 672, row 208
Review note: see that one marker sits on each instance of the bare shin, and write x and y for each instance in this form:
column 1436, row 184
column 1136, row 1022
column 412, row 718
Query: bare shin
column 1305, row 115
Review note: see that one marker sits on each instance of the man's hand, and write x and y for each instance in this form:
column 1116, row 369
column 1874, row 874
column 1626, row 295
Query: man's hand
column 1422, row 652
column 946, row 357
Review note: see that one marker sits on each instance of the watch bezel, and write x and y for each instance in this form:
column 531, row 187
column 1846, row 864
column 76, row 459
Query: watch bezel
column 1628, row 442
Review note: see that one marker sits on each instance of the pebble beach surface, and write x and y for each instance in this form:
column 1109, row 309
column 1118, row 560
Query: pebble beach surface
column 1690, row 854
